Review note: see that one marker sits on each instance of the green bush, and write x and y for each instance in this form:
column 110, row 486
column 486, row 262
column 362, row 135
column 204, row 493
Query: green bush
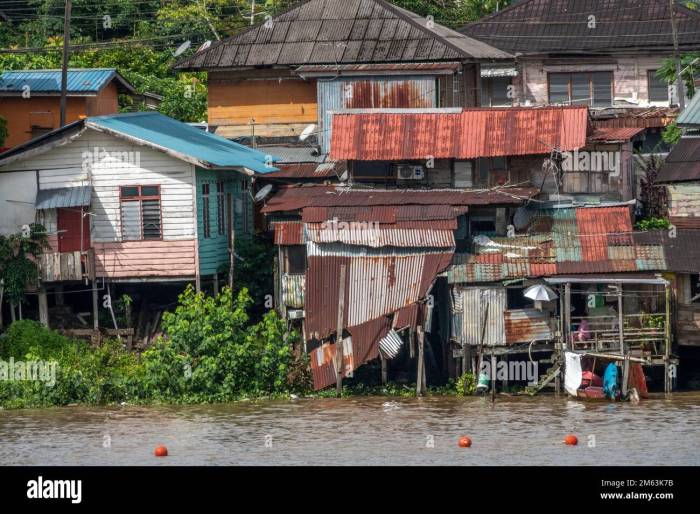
column 653, row 224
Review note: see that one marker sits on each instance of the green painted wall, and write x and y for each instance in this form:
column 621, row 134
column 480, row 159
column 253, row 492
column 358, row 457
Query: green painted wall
column 213, row 250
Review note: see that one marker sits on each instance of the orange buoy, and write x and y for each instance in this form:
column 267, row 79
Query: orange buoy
column 161, row 451
column 571, row 440
column 464, row 442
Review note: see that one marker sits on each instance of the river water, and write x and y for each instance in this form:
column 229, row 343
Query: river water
column 361, row 430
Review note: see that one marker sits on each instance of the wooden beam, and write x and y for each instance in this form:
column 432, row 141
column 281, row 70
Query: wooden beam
column 620, row 319
column 339, row 335
column 95, row 307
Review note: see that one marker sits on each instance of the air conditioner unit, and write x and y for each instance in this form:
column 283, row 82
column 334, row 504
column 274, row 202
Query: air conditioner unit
column 409, row 172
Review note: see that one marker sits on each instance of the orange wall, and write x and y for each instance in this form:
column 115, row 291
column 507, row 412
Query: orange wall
column 235, row 102
column 22, row 113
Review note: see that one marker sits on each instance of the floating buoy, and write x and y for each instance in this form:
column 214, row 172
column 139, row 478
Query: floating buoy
column 464, row 442
column 571, row 440
column 161, row 451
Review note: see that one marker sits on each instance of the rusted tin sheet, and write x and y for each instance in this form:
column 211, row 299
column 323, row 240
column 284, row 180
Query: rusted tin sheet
column 470, row 134
column 613, row 134
column 378, row 283
column 474, row 313
column 527, row 325
column 289, row 233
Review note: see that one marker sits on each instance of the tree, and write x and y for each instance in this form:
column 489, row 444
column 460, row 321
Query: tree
column 3, row 131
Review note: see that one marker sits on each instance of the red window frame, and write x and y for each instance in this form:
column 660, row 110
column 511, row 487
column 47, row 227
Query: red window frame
column 140, row 198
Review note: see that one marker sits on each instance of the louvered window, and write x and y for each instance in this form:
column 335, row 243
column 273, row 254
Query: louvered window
column 140, row 213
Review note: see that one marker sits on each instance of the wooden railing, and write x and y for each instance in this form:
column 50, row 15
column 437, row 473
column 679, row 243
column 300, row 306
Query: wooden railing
column 67, row 266
column 603, row 334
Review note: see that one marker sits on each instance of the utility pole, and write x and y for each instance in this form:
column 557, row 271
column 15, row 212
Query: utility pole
column 680, row 87
column 64, row 66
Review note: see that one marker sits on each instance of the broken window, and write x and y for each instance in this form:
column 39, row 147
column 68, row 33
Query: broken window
column 140, row 213
column 658, row 88
column 594, row 89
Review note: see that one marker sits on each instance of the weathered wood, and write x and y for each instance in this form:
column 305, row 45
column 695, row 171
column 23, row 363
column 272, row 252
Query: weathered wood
column 339, row 335
column 95, row 307
column 621, row 319
column 625, row 377
column 384, row 368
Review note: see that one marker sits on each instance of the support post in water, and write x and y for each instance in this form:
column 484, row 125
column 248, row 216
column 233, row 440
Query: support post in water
column 339, row 335
column 420, row 378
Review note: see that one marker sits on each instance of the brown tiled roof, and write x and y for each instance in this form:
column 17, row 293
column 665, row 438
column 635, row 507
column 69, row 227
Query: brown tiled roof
column 341, row 32
column 683, row 163
column 562, row 26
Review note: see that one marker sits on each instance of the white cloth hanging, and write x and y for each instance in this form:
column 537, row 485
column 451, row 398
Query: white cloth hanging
column 573, row 376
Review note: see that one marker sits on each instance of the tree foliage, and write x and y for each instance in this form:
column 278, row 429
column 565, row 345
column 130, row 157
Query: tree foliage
column 19, row 254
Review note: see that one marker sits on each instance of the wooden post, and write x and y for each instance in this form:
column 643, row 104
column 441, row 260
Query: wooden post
column 232, row 257
column 43, row 306
column 339, row 335
column 668, row 382
column 493, row 375
column 59, row 296
column 216, row 285
column 412, row 343
column 95, row 307
column 19, row 309
column 384, row 366
column 567, row 315
column 420, row 378
column 620, row 319
column 625, row 376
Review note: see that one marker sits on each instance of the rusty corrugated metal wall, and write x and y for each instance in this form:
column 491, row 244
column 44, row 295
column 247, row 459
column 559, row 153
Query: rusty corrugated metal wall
column 420, row 91
column 474, row 303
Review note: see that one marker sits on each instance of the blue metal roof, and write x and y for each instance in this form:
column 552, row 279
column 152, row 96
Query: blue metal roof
column 63, row 197
column 690, row 117
column 184, row 141
column 80, row 81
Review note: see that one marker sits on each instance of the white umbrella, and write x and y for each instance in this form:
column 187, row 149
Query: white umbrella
column 540, row 293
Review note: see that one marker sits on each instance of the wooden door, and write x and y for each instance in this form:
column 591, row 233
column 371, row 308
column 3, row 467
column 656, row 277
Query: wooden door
column 69, row 220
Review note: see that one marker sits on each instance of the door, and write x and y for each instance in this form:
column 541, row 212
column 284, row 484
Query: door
column 69, row 220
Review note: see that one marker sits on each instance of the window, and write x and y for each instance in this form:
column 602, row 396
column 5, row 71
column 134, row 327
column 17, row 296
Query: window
column 494, row 92
column 221, row 228
column 658, row 88
column 296, row 259
column 206, row 221
column 140, row 210
column 594, row 89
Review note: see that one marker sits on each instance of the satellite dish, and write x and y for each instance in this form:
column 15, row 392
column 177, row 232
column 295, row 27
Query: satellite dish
column 182, row 48
column 263, row 193
column 521, row 218
column 310, row 129
column 204, row 46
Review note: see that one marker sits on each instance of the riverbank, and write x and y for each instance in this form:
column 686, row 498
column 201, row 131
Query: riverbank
column 360, row 431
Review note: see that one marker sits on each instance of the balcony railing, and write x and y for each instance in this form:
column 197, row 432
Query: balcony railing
column 67, row 266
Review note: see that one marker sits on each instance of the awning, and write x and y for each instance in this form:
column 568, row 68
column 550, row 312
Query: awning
column 498, row 71
column 63, row 197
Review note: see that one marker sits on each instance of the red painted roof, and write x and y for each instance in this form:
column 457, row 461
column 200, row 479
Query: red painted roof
column 468, row 134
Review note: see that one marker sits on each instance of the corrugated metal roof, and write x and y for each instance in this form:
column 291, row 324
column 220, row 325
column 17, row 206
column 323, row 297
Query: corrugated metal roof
column 299, row 197
column 563, row 26
column 80, row 81
column 683, row 163
column 690, row 117
column 293, row 154
column 467, row 135
column 341, row 32
column 182, row 140
column 633, row 117
column 304, row 170
column 376, row 235
column 611, row 134
column 359, row 69
column 78, row 196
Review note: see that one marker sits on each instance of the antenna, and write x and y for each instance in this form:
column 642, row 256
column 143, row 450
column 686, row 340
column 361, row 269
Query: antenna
column 182, row 48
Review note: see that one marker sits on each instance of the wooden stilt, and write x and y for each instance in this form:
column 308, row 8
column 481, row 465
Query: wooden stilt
column 625, row 377
column 420, row 378
column 493, row 376
column 95, row 308
column 59, row 296
column 384, row 368
column 339, row 335
column 668, row 381
column 216, row 285
column 43, row 306
column 13, row 317
column 412, row 343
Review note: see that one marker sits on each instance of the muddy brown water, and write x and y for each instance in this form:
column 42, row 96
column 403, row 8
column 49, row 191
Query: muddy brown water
column 361, row 431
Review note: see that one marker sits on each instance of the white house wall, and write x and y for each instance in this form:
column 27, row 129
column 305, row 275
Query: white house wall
column 17, row 195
